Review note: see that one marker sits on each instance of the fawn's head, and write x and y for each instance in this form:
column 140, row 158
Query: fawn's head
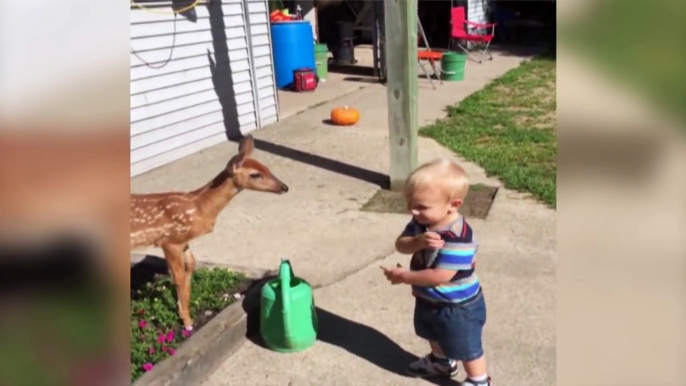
column 247, row 173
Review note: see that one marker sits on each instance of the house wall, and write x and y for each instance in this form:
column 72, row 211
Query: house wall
column 477, row 12
column 218, row 82
column 260, row 48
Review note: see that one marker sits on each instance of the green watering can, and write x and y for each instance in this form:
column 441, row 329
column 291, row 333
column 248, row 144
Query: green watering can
column 288, row 319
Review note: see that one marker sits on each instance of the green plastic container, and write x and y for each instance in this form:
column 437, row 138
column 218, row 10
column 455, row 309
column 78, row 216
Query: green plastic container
column 321, row 60
column 452, row 66
column 288, row 319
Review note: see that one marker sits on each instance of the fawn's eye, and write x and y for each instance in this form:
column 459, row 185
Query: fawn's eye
column 255, row 176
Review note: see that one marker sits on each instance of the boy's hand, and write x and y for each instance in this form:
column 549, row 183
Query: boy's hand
column 394, row 275
column 432, row 240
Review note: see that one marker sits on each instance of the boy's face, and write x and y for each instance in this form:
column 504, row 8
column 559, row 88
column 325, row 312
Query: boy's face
column 431, row 206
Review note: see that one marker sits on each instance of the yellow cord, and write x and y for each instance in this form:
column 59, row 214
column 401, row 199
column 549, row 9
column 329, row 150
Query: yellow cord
column 166, row 13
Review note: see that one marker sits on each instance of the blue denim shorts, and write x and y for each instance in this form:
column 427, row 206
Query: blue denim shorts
column 456, row 328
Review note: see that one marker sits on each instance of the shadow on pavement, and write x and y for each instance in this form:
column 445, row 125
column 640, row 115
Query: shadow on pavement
column 370, row 176
column 363, row 341
column 367, row 343
column 357, row 339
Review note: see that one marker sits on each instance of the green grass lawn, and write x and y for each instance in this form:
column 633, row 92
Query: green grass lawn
column 509, row 128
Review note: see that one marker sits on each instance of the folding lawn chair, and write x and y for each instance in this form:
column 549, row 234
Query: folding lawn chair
column 459, row 32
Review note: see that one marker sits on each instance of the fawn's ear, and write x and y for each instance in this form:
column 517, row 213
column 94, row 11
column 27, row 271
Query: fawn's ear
column 236, row 162
column 246, row 146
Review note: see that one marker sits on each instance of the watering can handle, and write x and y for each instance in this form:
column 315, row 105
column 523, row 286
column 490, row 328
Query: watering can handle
column 285, row 276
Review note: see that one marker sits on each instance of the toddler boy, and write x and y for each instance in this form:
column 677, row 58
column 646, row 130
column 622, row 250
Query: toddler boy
column 450, row 311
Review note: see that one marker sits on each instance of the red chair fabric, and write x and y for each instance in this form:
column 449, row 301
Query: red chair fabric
column 429, row 55
column 459, row 30
column 460, row 22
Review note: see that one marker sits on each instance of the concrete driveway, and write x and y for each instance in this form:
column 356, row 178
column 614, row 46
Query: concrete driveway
column 366, row 335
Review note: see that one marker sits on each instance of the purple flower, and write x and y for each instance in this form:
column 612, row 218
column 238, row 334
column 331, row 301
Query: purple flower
column 160, row 338
column 147, row 367
column 165, row 349
column 171, row 351
column 151, row 350
column 142, row 324
column 185, row 333
column 170, row 336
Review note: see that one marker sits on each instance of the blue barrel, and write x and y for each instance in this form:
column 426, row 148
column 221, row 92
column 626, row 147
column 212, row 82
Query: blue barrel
column 293, row 48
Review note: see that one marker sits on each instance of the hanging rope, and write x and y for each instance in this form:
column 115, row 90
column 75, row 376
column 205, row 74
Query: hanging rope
column 171, row 51
column 173, row 12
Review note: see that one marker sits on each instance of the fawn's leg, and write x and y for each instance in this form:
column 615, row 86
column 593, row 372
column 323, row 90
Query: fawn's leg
column 174, row 255
column 189, row 267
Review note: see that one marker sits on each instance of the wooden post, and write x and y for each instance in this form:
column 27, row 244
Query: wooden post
column 375, row 37
column 401, row 62
column 381, row 39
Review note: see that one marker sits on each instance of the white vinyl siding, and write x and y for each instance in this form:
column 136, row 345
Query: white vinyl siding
column 175, row 110
column 477, row 12
column 260, row 43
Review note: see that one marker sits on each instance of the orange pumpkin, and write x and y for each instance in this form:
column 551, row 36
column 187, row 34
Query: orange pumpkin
column 345, row 116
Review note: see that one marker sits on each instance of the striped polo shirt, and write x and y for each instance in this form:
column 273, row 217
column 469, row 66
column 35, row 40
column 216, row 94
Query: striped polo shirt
column 458, row 254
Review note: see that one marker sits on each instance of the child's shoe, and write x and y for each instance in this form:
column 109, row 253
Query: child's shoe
column 469, row 382
column 430, row 365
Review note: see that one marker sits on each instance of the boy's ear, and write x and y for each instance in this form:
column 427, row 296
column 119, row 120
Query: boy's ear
column 456, row 204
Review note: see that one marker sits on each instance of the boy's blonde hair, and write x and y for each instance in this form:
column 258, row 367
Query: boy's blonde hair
column 442, row 174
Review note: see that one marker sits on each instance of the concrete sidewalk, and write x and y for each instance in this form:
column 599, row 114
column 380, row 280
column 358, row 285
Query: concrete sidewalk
column 366, row 324
column 366, row 335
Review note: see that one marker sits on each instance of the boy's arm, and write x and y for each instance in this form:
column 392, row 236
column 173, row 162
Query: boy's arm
column 453, row 257
column 429, row 277
column 409, row 241
column 409, row 244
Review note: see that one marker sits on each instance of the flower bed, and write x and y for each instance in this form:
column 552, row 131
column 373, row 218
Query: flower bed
column 157, row 331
